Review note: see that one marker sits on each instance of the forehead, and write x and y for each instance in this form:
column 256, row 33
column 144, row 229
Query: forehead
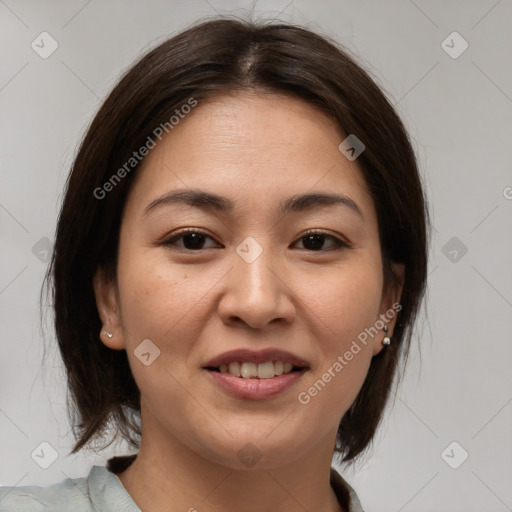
column 255, row 148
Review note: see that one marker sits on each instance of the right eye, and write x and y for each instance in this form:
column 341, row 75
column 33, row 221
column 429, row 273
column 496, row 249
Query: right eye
column 192, row 239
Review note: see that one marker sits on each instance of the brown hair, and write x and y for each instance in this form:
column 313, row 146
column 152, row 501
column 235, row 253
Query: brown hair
column 225, row 55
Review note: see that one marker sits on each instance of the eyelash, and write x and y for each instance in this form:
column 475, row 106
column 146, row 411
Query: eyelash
column 340, row 244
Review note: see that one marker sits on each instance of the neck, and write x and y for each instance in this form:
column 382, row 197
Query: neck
column 168, row 476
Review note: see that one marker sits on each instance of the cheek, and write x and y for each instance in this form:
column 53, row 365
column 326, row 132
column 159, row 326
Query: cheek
column 151, row 288
column 164, row 302
column 348, row 304
column 346, row 300
column 158, row 301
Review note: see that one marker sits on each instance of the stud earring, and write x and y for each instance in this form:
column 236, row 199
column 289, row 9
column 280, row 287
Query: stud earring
column 109, row 334
column 387, row 340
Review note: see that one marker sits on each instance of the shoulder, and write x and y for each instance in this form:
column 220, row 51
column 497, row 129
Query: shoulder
column 66, row 493
column 100, row 490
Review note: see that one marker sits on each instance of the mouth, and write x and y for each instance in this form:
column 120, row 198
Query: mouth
column 248, row 370
column 252, row 364
column 255, row 375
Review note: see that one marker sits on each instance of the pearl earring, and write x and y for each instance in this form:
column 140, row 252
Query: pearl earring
column 387, row 340
column 109, row 334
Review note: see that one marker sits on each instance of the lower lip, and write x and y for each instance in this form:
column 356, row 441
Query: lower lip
column 255, row 389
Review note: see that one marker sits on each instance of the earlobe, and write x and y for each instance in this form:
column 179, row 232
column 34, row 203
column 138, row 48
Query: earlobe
column 111, row 333
column 390, row 300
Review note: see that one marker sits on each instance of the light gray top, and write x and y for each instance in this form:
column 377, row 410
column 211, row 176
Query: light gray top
column 102, row 491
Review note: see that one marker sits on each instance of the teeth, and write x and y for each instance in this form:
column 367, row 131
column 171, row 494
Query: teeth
column 234, row 368
column 249, row 370
column 265, row 370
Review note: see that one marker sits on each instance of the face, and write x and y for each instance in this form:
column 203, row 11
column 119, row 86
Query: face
column 256, row 269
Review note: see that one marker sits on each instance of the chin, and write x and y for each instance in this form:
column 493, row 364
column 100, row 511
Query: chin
column 253, row 452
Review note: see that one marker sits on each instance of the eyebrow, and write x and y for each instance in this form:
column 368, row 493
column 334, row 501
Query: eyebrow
column 208, row 201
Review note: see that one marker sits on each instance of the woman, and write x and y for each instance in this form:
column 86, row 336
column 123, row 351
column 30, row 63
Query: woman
column 239, row 261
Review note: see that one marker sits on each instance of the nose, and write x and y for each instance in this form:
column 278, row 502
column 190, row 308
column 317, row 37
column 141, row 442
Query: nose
column 258, row 293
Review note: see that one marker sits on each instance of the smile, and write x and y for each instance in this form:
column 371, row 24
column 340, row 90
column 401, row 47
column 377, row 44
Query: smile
column 266, row 370
column 255, row 387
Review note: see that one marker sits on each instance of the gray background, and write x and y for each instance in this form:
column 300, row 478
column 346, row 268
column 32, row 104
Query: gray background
column 458, row 111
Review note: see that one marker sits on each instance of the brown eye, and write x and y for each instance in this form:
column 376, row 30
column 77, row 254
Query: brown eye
column 192, row 240
column 315, row 241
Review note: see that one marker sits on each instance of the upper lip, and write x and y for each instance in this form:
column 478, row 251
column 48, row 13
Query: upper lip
column 255, row 356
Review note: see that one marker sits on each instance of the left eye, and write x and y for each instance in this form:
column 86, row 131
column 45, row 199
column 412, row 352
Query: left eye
column 314, row 241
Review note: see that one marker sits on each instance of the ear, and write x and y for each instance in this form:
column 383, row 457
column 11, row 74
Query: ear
column 388, row 307
column 108, row 309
